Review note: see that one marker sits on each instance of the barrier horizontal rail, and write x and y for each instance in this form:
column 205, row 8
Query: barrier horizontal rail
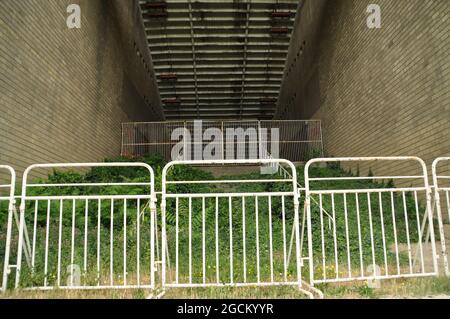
column 70, row 232
column 369, row 226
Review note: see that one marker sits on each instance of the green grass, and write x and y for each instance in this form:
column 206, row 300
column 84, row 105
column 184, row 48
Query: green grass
column 400, row 288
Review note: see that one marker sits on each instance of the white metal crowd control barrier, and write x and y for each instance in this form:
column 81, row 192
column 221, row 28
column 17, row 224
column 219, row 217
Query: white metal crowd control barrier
column 7, row 208
column 67, row 251
column 231, row 236
column 442, row 187
column 91, row 234
column 375, row 229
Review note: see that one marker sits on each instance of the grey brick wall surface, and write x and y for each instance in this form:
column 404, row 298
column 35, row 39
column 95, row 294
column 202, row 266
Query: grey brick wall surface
column 65, row 92
column 379, row 92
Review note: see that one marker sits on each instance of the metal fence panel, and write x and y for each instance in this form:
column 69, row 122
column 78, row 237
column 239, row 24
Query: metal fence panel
column 298, row 140
column 240, row 234
column 376, row 231
column 140, row 139
column 441, row 183
column 87, row 240
column 227, row 236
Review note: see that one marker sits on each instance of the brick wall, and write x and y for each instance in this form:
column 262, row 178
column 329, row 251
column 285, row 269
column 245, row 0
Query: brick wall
column 64, row 93
column 378, row 91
